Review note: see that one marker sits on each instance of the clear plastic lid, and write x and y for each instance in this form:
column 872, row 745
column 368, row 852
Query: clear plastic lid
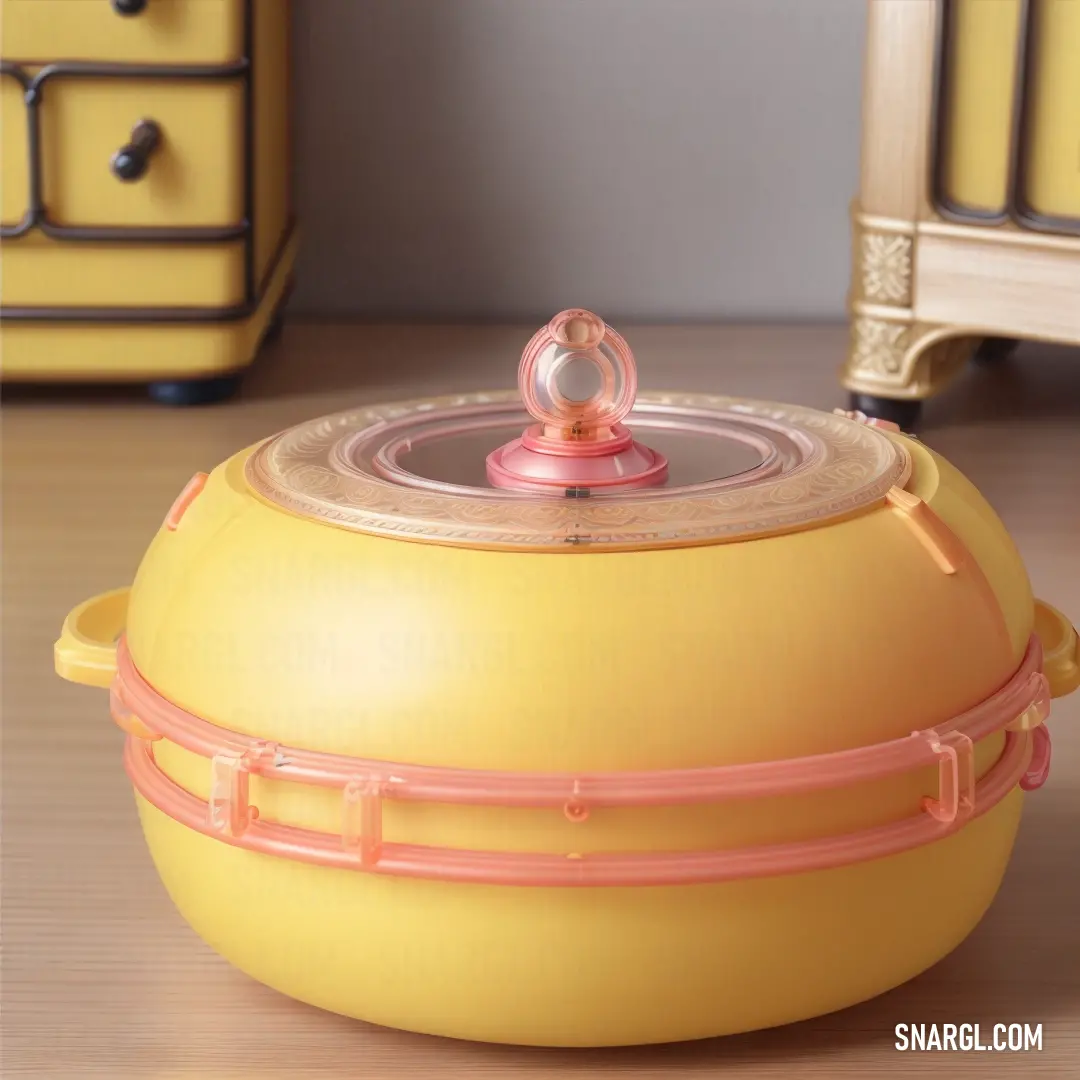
column 578, row 460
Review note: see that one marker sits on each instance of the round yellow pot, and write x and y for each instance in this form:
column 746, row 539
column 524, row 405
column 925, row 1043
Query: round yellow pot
column 275, row 605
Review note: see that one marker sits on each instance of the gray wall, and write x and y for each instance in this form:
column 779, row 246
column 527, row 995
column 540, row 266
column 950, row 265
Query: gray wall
column 502, row 159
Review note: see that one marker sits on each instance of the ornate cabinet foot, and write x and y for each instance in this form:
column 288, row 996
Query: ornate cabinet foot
column 892, row 356
column 903, row 361
column 905, row 414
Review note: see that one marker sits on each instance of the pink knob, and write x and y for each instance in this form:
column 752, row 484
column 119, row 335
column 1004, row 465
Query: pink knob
column 578, row 441
column 577, row 342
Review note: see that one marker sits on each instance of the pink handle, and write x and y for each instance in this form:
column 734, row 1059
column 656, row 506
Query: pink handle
column 1039, row 770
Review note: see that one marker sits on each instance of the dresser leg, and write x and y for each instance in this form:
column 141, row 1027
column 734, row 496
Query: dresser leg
column 903, row 413
column 183, row 392
column 994, row 350
column 277, row 324
column 277, row 320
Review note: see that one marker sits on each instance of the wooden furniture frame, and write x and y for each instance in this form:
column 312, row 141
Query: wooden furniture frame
column 931, row 285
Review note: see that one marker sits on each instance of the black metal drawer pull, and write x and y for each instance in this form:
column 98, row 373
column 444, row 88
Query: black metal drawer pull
column 131, row 161
column 129, row 7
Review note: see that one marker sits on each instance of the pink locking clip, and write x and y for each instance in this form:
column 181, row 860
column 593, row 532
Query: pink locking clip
column 184, row 500
column 230, row 811
column 230, row 806
column 956, row 777
column 362, row 819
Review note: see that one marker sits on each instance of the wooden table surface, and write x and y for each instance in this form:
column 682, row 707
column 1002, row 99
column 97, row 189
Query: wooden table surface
column 101, row 978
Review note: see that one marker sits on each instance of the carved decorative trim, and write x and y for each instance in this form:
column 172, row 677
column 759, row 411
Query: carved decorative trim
column 883, row 260
column 316, row 471
column 905, row 358
column 878, row 347
column 882, row 321
column 885, row 268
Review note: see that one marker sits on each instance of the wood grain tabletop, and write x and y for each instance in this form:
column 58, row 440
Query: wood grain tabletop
column 102, row 978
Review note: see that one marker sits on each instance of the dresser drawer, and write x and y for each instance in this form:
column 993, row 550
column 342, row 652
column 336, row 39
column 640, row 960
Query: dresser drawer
column 39, row 270
column 14, row 161
column 1050, row 181
column 193, row 178
column 144, row 200
column 91, row 249
column 163, row 31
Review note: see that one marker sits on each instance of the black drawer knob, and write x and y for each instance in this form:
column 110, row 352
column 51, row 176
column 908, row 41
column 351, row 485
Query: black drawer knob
column 130, row 162
column 128, row 7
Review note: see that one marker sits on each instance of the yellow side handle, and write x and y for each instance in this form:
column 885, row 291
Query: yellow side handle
column 1061, row 649
column 86, row 650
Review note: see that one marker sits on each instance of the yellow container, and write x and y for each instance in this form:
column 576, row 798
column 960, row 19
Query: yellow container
column 474, row 759
column 147, row 230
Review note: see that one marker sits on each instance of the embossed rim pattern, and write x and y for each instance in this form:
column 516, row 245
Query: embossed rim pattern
column 847, row 468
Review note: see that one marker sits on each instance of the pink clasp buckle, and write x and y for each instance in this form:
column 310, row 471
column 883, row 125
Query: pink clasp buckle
column 362, row 819
column 230, row 809
column 956, row 777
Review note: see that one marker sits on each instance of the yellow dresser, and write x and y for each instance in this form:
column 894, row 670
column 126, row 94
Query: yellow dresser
column 967, row 224
column 146, row 226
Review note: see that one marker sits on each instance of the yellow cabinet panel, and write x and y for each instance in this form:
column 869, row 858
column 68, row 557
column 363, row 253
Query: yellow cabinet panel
column 14, row 182
column 36, row 269
column 1051, row 171
column 272, row 193
column 165, row 31
column 967, row 224
column 979, row 82
column 194, row 178
column 132, row 350
column 177, row 271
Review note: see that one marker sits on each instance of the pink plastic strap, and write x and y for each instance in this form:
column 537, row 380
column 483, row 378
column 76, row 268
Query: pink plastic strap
column 662, row 787
column 1036, row 713
column 124, row 718
column 598, row 869
column 230, row 817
